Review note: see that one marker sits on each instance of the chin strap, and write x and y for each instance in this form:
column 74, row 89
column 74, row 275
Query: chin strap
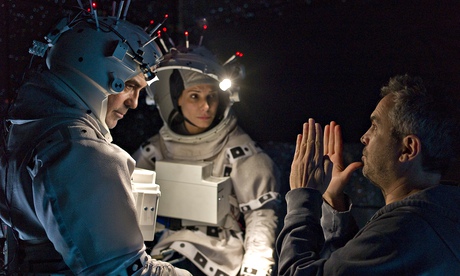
column 188, row 121
column 185, row 119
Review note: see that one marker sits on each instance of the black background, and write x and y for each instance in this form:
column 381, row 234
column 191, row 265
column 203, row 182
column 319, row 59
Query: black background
column 320, row 59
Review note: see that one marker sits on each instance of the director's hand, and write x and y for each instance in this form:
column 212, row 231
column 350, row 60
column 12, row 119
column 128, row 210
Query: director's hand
column 333, row 147
column 309, row 167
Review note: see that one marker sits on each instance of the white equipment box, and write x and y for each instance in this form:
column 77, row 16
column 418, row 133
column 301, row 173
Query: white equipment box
column 190, row 193
column 146, row 197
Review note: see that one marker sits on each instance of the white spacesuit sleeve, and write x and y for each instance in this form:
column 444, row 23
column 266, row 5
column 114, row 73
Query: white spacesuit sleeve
column 255, row 182
column 259, row 239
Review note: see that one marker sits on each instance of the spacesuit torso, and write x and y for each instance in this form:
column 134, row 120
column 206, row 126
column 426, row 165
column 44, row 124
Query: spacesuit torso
column 247, row 248
column 62, row 176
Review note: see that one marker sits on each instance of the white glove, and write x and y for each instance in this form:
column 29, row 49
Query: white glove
column 159, row 268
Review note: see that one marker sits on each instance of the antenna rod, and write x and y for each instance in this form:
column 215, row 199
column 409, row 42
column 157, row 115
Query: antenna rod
column 126, row 9
column 148, row 42
column 186, row 40
column 120, row 9
column 162, row 42
column 91, row 6
column 114, row 7
column 158, row 25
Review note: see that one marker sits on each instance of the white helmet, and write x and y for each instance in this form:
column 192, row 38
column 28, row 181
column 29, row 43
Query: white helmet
column 96, row 56
column 183, row 68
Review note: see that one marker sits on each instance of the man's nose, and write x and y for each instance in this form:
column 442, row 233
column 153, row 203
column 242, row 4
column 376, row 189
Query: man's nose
column 363, row 140
column 132, row 101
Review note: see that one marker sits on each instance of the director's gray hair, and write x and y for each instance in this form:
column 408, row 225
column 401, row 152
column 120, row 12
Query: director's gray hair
column 426, row 114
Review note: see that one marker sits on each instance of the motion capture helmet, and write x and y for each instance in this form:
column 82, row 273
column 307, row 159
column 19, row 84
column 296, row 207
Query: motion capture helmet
column 95, row 56
column 186, row 67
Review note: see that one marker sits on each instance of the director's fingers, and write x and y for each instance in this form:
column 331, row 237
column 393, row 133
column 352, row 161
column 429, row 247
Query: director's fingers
column 318, row 144
column 301, row 143
column 330, row 136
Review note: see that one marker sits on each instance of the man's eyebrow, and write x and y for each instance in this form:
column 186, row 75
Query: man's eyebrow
column 373, row 118
column 133, row 82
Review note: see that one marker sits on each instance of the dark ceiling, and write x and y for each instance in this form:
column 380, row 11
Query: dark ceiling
column 321, row 59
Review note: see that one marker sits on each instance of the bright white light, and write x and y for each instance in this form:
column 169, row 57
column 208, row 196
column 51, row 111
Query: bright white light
column 225, row 84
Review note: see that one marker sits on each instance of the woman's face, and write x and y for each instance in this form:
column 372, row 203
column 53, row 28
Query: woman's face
column 199, row 106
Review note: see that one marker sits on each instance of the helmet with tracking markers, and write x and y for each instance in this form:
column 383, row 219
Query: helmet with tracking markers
column 183, row 68
column 96, row 56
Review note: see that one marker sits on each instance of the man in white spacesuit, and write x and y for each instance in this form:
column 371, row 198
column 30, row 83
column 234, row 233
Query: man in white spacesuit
column 62, row 181
column 200, row 126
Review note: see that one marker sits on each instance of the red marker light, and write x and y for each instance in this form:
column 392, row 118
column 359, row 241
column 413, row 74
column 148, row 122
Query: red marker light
column 205, row 27
column 165, row 29
column 151, row 22
column 166, row 15
column 94, row 5
column 239, row 54
column 159, row 33
column 186, row 40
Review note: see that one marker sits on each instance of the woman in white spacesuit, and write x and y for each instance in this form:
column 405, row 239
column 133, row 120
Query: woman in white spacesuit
column 200, row 126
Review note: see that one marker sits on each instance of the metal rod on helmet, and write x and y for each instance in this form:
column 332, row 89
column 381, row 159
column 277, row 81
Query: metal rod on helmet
column 114, row 7
column 186, row 40
column 153, row 30
column 171, row 41
column 158, row 25
column 162, row 41
column 91, row 6
column 120, row 9
column 204, row 27
column 228, row 60
column 150, row 41
column 94, row 13
column 237, row 54
column 126, row 9
column 96, row 19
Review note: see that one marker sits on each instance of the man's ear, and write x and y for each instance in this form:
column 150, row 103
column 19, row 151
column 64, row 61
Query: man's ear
column 411, row 148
